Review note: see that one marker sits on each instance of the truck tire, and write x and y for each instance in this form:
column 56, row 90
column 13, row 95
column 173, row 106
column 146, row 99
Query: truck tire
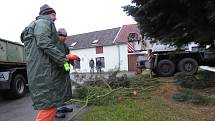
column 18, row 87
column 188, row 66
column 165, row 68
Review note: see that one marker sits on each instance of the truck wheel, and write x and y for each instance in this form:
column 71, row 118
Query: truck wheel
column 188, row 65
column 18, row 87
column 165, row 68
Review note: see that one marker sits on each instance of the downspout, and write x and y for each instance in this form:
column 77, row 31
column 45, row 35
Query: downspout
column 118, row 57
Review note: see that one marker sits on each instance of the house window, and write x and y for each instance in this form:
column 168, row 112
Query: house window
column 77, row 65
column 99, row 49
column 102, row 60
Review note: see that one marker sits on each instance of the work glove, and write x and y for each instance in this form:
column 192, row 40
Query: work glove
column 66, row 67
column 71, row 57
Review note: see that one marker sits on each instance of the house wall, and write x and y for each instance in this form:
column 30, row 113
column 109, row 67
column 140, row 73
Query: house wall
column 114, row 55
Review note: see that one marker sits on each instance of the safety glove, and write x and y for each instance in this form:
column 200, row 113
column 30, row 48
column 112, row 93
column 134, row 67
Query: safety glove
column 72, row 57
column 66, row 67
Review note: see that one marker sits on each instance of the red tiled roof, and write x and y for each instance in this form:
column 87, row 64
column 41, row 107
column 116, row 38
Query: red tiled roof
column 122, row 36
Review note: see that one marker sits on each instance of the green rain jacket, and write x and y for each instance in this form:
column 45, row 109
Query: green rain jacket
column 49, row 85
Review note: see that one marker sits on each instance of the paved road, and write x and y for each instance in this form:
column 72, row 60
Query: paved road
column 17, row 110
column 22, row 110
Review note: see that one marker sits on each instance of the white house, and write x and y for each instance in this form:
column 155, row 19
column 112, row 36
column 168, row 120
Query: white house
column 110, row 46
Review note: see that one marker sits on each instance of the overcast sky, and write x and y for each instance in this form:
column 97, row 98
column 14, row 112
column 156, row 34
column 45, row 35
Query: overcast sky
column 76, row 16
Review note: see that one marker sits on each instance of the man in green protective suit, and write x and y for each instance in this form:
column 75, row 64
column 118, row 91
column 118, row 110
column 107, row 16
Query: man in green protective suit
column 47, row 66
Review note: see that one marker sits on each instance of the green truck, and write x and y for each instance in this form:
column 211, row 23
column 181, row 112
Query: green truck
column 13, row 74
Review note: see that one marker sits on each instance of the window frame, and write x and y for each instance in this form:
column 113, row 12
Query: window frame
column 102, row 59
column 99, row 49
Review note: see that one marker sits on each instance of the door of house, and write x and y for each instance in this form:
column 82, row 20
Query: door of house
column 132, row 59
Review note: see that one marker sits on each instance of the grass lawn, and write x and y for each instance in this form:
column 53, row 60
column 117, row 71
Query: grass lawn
column 154, row 109
column 159, row 106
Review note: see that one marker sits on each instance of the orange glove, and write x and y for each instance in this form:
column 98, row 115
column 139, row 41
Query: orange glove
column 71, row 57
